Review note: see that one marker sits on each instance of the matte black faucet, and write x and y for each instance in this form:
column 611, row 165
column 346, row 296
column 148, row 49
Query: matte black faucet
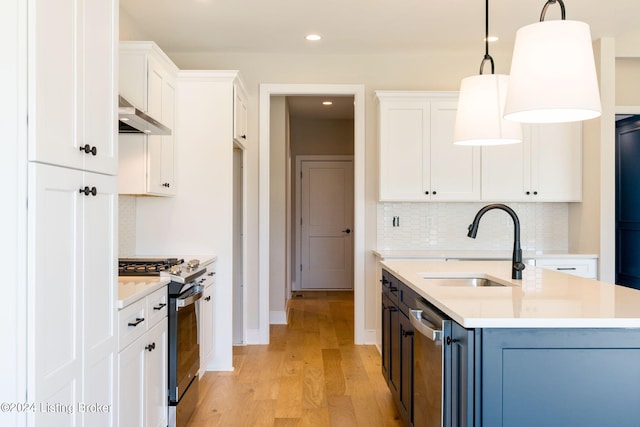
column 516, row 265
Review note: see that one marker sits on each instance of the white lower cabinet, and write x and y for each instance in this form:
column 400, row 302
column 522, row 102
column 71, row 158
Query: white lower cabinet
column 206, row 319
column 583, row 267
column 71, row 323
column 142, row 363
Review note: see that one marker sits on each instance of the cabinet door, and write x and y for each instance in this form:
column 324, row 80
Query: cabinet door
column 454, row 169
column 99, row 91
column 556, row 157
column 100, row 287
column 404, row 149
column 506, row 172
column 156, row 371
column 161, row 148
column 406, row 368
column 55, row 304
column 206, row 328
column 239, row 116
column 131, row 384
column 394, row 356
column 54, row 82
column 460, row 392
column 386, row 337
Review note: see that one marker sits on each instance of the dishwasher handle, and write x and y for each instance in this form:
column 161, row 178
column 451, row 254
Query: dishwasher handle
column 424, row 327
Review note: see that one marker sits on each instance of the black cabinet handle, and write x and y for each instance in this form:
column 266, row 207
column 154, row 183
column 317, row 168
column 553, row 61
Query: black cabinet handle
column 348, row 231
column 89, row 149
column 211, row 274
column 528, row 193
column 535, row 193
column 137, row 322
column 393, row 308
column 426, row 192
column 565, row 268
column 150, row 347
column 407, row 333
column 243, row 136
column 434, row 193
column 86, row 190
column 166, row 184
column 160, row 306
column 393, row 289
column 208, row 298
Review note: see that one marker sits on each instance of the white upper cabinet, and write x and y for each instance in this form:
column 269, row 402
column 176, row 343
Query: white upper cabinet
column 240, row 115
column 418, row 160
column 148, row 81
column 546, row 167
column 72, row 94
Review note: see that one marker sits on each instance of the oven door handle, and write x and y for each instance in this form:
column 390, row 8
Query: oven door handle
column 424, row 327
column 194, row 296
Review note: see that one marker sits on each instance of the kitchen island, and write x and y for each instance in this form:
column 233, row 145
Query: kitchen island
column 550, row 349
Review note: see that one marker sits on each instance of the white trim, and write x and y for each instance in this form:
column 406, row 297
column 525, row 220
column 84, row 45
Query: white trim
column 266, row 91
column 252, row 336
column 298, row 236
column 370, row 338
column 278, row 317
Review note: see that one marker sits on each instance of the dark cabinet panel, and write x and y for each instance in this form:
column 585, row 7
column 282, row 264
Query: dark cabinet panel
column 405, row 396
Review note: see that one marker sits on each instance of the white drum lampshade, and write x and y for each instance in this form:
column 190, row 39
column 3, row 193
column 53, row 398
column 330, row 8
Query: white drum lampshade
column 553, row 75
column 479, row 118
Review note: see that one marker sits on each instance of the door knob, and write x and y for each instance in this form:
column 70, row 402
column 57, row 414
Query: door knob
column 348, row 230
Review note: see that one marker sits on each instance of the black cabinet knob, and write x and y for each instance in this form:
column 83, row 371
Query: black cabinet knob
column 150, row 347
column 166, row 184
column 535, row 193
column 89, row 191
column 208, row 298
column 407, row 333
column 528, row 193
column 426, row 192
column 243, row 136
column 348, row 231
column 89, row 149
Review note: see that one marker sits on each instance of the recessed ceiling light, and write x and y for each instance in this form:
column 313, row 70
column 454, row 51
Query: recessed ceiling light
column 313, row 37
column 327, row 103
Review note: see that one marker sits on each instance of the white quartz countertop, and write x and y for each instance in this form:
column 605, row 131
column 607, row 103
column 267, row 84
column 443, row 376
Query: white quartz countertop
column 542, row 299
column 385, row 254
column 133, row 288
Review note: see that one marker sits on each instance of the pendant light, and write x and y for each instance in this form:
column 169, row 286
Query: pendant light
column 553, row 73
column 481, row 101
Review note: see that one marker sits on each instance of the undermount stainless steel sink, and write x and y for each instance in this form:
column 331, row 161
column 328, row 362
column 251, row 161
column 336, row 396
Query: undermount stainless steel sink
column 471, row 282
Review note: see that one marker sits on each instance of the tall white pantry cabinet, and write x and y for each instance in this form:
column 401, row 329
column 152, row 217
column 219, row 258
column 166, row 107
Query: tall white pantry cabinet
column 72, row 212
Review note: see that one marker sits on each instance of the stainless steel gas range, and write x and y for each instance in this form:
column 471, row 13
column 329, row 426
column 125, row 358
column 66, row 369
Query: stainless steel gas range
column 185, row 290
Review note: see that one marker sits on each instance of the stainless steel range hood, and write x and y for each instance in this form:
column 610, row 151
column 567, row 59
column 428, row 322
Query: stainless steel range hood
column 132, row 120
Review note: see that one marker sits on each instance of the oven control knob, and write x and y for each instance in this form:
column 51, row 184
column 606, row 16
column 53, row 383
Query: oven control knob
column 194, row 263
column 176, row 269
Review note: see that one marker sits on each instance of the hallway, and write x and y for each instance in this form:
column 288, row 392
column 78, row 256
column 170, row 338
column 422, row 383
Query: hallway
column 310, row 375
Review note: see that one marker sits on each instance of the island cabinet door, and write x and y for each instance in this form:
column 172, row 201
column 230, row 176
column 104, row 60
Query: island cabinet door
column 386, row 337
column 405, row 395
column 460, row 378
column 560, row 377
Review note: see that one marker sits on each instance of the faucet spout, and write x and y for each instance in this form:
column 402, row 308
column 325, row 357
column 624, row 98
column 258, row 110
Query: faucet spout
column 516, row 265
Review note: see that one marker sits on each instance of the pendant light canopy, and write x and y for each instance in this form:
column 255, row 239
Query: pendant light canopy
column 553, row 73
column 479, row 117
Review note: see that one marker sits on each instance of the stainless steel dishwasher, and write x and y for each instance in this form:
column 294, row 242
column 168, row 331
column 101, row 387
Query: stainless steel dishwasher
column 430, row 355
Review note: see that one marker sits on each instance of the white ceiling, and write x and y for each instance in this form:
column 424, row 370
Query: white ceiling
column 357, row 26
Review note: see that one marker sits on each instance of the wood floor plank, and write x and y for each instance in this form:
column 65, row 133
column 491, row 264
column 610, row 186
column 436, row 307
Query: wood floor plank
column 310, row 375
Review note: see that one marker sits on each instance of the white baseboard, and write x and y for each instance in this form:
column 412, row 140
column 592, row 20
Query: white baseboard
column 278, row 317
column 369, row 337
column 252, row 336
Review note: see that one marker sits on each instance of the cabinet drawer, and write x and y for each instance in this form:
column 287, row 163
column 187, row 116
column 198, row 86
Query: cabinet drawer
column 390, row 286
column 132, row 323
column 578, row 267
column 406, row 298
column 157, row 306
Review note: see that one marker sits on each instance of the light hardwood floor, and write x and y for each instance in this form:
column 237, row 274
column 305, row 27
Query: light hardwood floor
column 310, row 375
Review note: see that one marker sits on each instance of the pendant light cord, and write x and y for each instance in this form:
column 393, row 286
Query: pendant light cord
column 550, row 2
column 488, row 57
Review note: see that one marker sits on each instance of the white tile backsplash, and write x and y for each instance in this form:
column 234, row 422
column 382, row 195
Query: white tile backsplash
column 443, row 226
column 126, row 226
